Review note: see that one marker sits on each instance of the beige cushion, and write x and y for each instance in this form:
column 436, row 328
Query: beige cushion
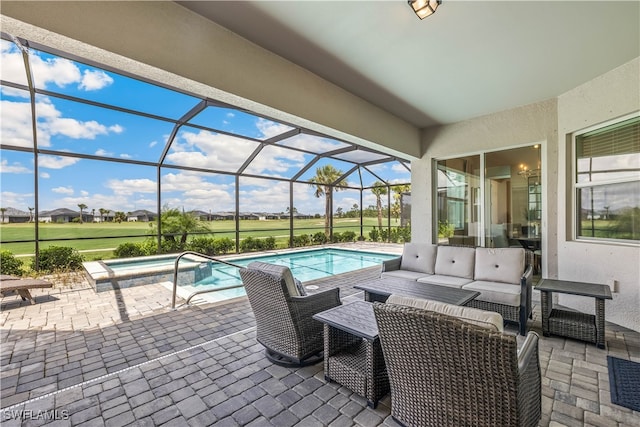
column 281, row 271
column 504, row 265
column 455, row 261
column 420, row 257
column 496, row 292
column 482, row 318
column 404, row 274
column 450, row 281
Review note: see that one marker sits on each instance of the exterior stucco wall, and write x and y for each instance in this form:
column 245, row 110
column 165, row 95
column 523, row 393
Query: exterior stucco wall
column 612, row 95
column 162, row 41
column 527, row 125
column 550, row 123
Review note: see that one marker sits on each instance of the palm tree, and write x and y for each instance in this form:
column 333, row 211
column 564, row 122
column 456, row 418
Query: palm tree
column 103, row 213
column 82, row 207
column 379, row 189
column 325, row 184
column 31, row 214
column 93, row 215
column 398, row 191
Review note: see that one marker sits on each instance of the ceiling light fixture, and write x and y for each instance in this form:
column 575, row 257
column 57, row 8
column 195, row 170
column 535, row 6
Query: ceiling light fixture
column 424, row 8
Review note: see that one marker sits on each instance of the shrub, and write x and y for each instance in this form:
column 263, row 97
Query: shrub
column 226, row 245
column 348, row 236
column 128, row 250
column 149, row 246
column 301, row 240
column 269, row 243
column 58, row 258
column 9, row 264
column 374, row 235
column 404, row 233
column 319, row 238
column 204, row 245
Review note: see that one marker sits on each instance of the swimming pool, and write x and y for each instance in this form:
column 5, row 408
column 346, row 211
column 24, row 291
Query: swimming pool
column 196, row 274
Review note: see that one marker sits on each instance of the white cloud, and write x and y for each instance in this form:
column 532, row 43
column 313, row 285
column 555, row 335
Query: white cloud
column 16, row 167
column 398, row 168
column 84, row 193
column 216, row 151
column 62, row 190
column 16, row 127
column 56, row 162
column 12, row 64
column 116, row 129
column 276, row 159
column 127, row 187
column 95, row 80
column 126, row 156
column 103, row 152
column 16, row 200
column 152, row 144
column 76, row 129
column 44, row 175
column 315, row 144
column 59, row 71
column 269, row 129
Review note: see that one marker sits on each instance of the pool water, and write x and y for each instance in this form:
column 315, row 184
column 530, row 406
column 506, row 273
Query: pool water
column 202, row 274
column 304, row 266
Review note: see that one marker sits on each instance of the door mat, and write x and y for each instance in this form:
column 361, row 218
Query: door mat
column 624, row 378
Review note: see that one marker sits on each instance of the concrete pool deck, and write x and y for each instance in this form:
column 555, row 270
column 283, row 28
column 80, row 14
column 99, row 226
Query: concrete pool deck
column 123, row 357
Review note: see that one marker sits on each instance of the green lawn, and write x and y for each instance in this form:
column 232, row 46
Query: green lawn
column 102, row 237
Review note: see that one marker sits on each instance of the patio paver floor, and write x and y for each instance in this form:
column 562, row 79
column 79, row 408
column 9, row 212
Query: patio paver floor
column 124, row 358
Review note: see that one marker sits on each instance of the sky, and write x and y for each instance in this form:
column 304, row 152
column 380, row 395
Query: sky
column 67, row 126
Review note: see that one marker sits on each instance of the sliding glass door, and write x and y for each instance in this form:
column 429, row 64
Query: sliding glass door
column 491, row 200
column 458, row 198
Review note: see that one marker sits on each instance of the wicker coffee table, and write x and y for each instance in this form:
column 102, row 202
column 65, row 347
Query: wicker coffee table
column 352, row 351
column 380, row 289
column 571, row 324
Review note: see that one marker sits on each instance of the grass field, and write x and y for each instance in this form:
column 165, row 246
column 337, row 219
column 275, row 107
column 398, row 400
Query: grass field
column 101, row 238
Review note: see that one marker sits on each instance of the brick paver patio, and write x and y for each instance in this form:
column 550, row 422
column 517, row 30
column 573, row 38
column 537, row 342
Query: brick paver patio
column 125, row 358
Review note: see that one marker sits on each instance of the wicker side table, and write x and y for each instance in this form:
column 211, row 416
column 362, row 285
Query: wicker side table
column 571, row 324
column 352, row 351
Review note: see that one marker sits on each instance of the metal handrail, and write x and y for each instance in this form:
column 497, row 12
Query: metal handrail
column 175, row 277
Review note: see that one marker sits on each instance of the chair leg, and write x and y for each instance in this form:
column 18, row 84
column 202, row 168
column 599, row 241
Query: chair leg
column 26, row 295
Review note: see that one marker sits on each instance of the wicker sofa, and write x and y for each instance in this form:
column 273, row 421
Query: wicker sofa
column 499, row 274
column 454, row 366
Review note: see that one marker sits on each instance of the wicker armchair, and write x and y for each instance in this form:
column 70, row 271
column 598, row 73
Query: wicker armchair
column 447, row 372
column 284, row 323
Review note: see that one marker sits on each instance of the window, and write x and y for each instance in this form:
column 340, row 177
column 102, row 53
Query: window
column 607, row 182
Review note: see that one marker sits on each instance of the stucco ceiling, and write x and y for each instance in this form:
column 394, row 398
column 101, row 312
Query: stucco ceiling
column 469, row 59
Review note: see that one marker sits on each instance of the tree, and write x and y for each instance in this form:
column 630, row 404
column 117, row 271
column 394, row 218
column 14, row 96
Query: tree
column 82, row 207
column 31, row 218
column 379, row 189
column 93, row 215
column 176, row 223
column 325, row 184
column 398, row 191
column 103, row 213
column 119, row 216
column 339, row 212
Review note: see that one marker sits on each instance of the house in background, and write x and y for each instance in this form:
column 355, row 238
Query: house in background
column 13, row 216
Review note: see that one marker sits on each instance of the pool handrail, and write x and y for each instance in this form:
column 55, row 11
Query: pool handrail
column 209, row 257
